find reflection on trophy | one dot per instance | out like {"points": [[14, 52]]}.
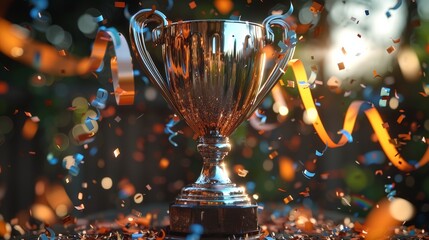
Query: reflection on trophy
{"points": [[217, 73]]}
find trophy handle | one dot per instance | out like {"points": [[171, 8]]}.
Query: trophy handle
{"points": [[287, 46], [138, 24]]}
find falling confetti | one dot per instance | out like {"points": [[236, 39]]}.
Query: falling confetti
{"points": [[168, 129], [116, 152], [308, 174]]}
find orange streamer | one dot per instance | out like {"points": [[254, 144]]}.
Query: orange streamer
{"points": [[349, 122], [17, 45]]}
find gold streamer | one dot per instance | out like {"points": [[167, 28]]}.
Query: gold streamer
{"points": [[16, 44], [349, 122]]}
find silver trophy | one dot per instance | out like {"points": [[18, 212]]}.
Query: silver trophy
{"points": [[217, 73]]}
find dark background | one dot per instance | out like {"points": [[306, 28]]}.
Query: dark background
{"points": [[142, 142]]}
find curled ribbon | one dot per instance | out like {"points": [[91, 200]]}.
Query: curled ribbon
{"points": [[45, 58], [352, 112]]}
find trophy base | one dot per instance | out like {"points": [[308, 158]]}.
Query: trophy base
{"points": [[218, 222]]}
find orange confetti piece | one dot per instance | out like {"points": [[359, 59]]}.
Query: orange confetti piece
{"points": [[29, 129], [288, 199], [273, 155], [120, 4], [341, 66], [192, 5], [379, 172], [400, 119], [390, 49], [396, 40], [344, 51], [375, 74]]}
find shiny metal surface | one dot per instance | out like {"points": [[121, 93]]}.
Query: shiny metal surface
{"points": [[217, 73]]}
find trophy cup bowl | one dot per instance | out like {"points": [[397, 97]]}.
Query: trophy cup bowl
{"points": [[217, 73]]}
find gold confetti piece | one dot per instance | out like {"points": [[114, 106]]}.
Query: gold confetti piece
{"points": [[290, 84], [390, 49], [242, 172], [116, 152], [344, 51], [400, 119], [273, 155], [287, 199], [341, 66], [120, 4], [192, 5]]}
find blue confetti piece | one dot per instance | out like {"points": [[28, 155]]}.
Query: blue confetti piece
{"points": [[397, 5], [169, 5], [318, 104], [78, 157], [136, 235], [51, 159], [36, 60], [391, 195], [374, 157], [382, 103], [347, 134], [136, 72], [367, 12], [145, 80], [93, 151], [389, 187], [384, 91], [88, 124], [172, 133], [261, 116], [74, 170], [99, 18], [170, 139], [308, 174], [51, 232], [319, 154], [196, 229]]}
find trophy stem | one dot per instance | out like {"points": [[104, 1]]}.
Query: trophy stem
{"points": [[213, 148]]}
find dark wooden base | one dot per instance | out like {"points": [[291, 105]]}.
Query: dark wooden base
{"points": [[218, 222]]}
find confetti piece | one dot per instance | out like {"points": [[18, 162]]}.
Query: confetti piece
{"points": [[116, 152], [373, 157], [100, 101], [379, 172], [396, 6], [400, 119], [308, 174], [168, 129], [396, 40], [35, 119], [273, 155], [261, 116], [148, 187], [242, 172], [390, 49], [120, 4], [319, 154], [367, 12], [117, 119], [138, 198], [343, 50], [51, 233], [80, 207], [287, 199], [347, 134], [192, 5], [341, 66]]}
